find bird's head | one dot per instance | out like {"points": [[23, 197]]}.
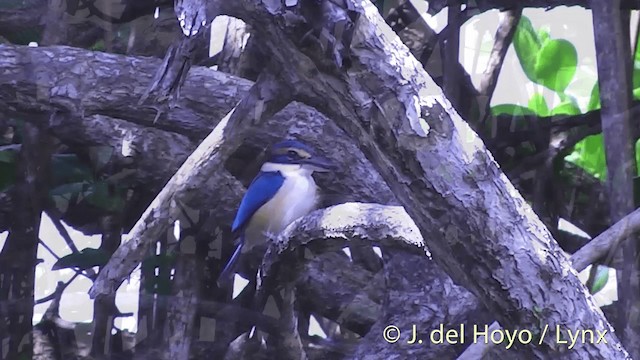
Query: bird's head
{"points": [[294, 152]]}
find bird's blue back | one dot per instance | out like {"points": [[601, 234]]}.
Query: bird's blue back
{"points": [[261, 190]]}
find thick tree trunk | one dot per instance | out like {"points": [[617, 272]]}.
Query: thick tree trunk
{"points": [[614, 77], [18, 256]]}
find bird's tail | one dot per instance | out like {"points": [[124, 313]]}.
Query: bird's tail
{"points": [[228, 270]]}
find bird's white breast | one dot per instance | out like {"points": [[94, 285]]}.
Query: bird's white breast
{"points": [[296, 198]]}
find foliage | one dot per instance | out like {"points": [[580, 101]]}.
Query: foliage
{"points": [[545, 61], [75, 181], [72, 179], [552, 63], [600, 280], [85, 259], [590, 153]]}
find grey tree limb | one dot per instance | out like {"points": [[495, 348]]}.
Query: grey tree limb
{"points": [[504, 35], [603, 244], [18, 256], [387, 226], [100, 106], [394, 231]]}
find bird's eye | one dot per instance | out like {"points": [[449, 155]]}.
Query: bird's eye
{"points": [[292, 153]]}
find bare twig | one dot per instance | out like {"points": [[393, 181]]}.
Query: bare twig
{"points": [[169, 78], [58, 291], [55, 217], [288, 344], [504, 35]]}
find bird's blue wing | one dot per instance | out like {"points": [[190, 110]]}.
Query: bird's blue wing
{"points": [[261, 190]]}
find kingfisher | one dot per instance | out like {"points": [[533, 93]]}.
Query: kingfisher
{"points": [[282, 192]]}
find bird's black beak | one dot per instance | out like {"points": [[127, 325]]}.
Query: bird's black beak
{"points": [[320, 164]]}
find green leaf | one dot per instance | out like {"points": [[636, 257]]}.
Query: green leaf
{"points": [[566, 108], [589, 154], [556, 64], [538, 104], [8, 152], [594, 100], [600, 280], [85, 259], [543, 35], [61, 203], [636, 75], [98, 46], [7, 156], [551, 63], [527, 45]]}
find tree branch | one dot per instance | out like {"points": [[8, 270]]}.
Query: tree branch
{"points": [[390, 227], [604, 243], [504, 35]]}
